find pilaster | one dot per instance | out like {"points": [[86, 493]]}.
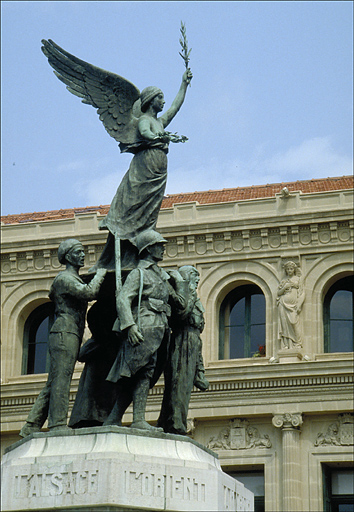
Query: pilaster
{"points": [[290, 424]]}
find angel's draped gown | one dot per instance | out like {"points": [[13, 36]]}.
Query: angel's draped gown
{"points": [[134, 208], [136, 204]]}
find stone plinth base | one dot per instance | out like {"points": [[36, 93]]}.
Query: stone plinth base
{"points": [[112, 468], [289, 355]]}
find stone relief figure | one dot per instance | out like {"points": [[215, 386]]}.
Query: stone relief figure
{"points": [[221, 441], [255, 440], [144, 307], [70, 296], [339, 433], [331, 437], [239, 435], [290, 299], [185, 362], [131, 118]]}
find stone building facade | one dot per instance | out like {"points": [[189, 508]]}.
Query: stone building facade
{"points": [[276, 267]]}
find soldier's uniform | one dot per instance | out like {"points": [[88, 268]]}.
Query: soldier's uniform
{"points": [[70, 296], [156, 297]]}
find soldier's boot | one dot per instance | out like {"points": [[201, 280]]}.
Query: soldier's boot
{"points": [[140, 395], [123, 400], [28, 429]]}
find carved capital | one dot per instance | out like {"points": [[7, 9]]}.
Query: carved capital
{"points": [[288, 420]]}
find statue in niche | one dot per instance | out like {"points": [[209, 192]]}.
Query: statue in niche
{"points": [[185, 362], [70, 296], [144, 307], [290, 299], [131, 118]]}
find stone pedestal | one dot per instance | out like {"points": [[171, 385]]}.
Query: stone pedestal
{"points": [[289, 355], [116, 469]]}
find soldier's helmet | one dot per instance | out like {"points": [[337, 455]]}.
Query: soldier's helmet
{"points": [[147, 238]]}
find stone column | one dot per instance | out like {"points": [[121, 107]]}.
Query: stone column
{"points": [[290, 425]]}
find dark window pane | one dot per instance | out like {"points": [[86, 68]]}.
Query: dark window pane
{"points": [[35, 342], [346, 507], [342, 481], [342, 305], [338, 316], [341, 333], [254, 481], [237, 315], [257, 309], [241, 310], [40, 357], [257, 337], [42, 331], [237, 343]]}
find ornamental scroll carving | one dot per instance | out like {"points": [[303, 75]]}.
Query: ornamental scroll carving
{"points": [[287, 420], [339, 433], [290, 299], [239, 435]]}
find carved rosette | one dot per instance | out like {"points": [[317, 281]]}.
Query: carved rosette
{"points": [[288, 420]]}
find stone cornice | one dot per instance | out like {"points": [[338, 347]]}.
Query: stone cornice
{"points": [[309, 237], [270, 383]]}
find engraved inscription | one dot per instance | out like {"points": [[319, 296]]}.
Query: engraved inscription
{"points": [[160, 485], [55, 484]]}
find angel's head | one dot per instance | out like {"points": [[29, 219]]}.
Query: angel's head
{"points": [[148, 95]]}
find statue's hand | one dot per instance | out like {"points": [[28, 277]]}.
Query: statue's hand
{"points": [[134, 335], [176, 276], [187, 76], [165, 137], [101, 272]]}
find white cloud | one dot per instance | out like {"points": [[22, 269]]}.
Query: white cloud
{"points": [[99, 191], [313, 158]]}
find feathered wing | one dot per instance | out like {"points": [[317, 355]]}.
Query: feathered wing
{"points": [[112, 95]]}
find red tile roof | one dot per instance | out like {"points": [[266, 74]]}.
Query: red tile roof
{"points": [[206, 197]]}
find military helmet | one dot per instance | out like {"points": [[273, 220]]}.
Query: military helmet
{"points": [[147, 238]]}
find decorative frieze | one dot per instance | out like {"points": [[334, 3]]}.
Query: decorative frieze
{"points": [[339, 433], [239, 435], [245, 240]]}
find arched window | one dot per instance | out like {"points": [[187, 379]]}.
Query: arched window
{"points": [[35, 340], [242, 323], [338, 316]]}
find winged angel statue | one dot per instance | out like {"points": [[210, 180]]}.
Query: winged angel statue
{"points": [[131, 118]]}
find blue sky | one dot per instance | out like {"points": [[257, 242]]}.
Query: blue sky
{"points": [[270, 100]]}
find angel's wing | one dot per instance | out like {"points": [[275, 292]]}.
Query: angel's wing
{"points": [[112, 95]]}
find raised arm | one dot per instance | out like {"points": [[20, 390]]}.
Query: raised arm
{"points": [[74, 287], [167, 117]]}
